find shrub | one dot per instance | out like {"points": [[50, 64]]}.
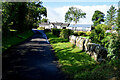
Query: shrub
{"points": [[47, 30], [114, 46], [80, 33], [105, 27], [41, 28], [75, 33], [97, 35], [56, 31], [88, 33], [65, 33]]}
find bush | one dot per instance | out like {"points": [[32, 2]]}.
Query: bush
{"points": [[88, 33], [41, 28], [81, 33], [97, 35], [75, 33], [56, 31], [47, 30], [65, 33], [114, 46], [105, 27]]}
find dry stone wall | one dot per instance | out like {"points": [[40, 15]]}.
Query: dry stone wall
{"points": [[96, 51]]}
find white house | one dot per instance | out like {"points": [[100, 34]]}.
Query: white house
{"points": [[45, 25], [58, 25]]}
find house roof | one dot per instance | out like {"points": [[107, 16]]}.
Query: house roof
{"points": [[44, 24], [65, 24], [56, 23]]}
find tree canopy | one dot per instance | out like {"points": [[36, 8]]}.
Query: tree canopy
{"points": [[98, 17], [111, 16], [21, 16], [74, 14]]}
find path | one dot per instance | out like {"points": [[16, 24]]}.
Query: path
{"points": [[31, 60]]}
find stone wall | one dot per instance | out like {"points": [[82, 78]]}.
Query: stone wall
{"points": [[96, 51]]}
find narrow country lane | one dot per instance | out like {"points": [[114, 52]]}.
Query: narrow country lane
{"points": [[31, 60]]}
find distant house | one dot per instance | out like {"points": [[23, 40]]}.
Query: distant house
{"points": [[58, 25], [65, 25], [45, 25]]}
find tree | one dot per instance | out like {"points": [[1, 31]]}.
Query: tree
{"points": [[35, 13], [111, 16], [114, 44], [98, 34], [13, 15], [74, 14], [44, 20], [21, 16], [98, 17]]}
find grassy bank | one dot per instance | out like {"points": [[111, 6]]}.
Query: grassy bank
{"points": [[80, 66], [15, 39]]}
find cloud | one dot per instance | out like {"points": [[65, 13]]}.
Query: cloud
{"points": [[58, 13]]}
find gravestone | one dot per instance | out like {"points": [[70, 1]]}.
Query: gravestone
{"points": [[72, 39], [80, 44]]}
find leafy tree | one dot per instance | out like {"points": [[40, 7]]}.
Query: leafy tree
{"points": [[35, 13], [21, 16], [98, 34], [111, 16], [98, 17], [74, 14], [44, 20], [114, 44], [13, 15]]}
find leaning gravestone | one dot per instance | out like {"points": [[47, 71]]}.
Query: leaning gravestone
{"points": [[72, 39], [80, 44], [86, 42], [78, 41]]}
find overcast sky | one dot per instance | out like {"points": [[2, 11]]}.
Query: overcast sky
{"points": [[56, 9]]}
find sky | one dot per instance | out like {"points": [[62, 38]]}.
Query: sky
{"points": [[56, 9]]}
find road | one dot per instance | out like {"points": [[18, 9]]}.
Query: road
{"points": [[32, 59]]}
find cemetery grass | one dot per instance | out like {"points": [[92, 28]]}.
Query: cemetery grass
{"points": [[80, 66], [11, 40]]}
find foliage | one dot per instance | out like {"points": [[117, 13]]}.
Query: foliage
{"points": [[74, 14], [56, 31], [65, 33], [47, 30], [97, 35], [44, 20], [98, 17], [41, 28], [81, 33], [105, 27], [16, 15], [111, 16], [54, 38], [13, 15], [17, 19], [9, 41], [114, 44], [75, 33], [88, 33]]}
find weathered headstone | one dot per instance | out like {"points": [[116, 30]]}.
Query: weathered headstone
{"points": [[80, 44], [72, 39]]}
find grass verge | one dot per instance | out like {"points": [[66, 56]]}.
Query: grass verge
{"points": [[13, 40], [80, 66]]}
